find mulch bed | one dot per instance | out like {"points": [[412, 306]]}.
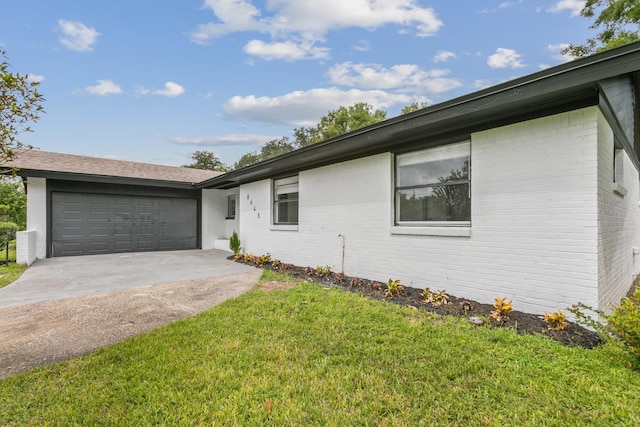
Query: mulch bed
{"points": [[524, 323]]}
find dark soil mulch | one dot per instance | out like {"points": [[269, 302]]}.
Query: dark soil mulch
{"points": [[524, 323]]}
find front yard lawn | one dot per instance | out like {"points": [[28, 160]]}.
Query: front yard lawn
{"points": [[313, 355], [10, 273]]}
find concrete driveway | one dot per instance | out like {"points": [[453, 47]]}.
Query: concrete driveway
{"points": [[67, 307], [68, 277]]}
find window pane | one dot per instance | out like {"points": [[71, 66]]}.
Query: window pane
{"points": [[287, 212], [437, 203], [434, 166], [231, 206]]}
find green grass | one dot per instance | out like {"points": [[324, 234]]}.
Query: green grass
{"points": [[10, 273], [313, 356]]}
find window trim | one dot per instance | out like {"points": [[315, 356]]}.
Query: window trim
{"points": [[430, 227], [618, 170], [293, 180]]}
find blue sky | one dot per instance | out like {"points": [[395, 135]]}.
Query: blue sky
{"points": [[154, 81]]}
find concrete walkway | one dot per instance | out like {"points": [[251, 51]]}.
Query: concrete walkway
{"points": [[68, 277]]}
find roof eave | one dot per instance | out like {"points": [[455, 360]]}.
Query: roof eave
{"points": [[69, 176]]}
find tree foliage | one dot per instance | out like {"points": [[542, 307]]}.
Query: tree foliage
{"points": [[271, 149], [14, 200], [345, 119], [618, 22], [208, 161], [334, 123], [20, 105], [413, 107]]}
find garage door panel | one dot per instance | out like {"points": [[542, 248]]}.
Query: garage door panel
{"points": [[91, 224]]}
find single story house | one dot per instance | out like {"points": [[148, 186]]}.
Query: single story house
{"points": [[527, 190]]}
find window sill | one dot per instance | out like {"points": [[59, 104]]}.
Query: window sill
{"points": [[283, 227], [619, 189], [433, 231], [230, 217]]}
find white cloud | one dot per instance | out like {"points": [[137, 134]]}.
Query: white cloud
{"points": [[36, 78], [77, 36], [305, 108], [362, 46], [223, 140], [557, 49], [443, 56], [170, 90], [507, 4], [311, 19], [505, 58], [574, 6], [286, 50], [404, 77], [104, 87]]}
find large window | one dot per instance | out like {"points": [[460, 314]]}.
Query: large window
{"points": [[432, 186], [285, 201]]}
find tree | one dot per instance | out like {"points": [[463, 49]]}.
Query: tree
{"points": [[269, 150], [334, 123], [20, 105], [346, 119], [618, 21], [208, 161], [13, 197], [413, 107]]}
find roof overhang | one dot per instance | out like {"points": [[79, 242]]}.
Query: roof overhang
{"points": [[562, 88], [66, 176]]}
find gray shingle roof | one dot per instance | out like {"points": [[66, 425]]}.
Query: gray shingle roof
{"points": [[44, 161]]}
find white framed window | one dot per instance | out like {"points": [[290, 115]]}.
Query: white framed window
{"points": [[285, 201], [433, 186], [231, 206]]}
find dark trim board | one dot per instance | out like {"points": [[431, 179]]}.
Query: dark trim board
{"points": [[130, 192]]}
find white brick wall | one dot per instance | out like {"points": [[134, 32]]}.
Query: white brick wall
{"points": [[534, 234], [214, 212], [618, 222], [37, 213], [26, 247]]}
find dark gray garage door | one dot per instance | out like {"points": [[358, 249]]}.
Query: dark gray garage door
{"points": [[100, 223]]}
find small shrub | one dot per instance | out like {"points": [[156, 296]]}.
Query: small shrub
{"points": [[263, 259], [339, 277], [437, 298], [275, 263], [394, 288], [309, 271], [356, 281], [234, 243], [623, 324], [285, 266], [466, 306], [250, 259], [502, 310], [556, 321], [323, 270], [238, 256], [375, 285], [625, 321]]}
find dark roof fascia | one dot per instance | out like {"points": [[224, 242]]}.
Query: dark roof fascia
{"points": [[565, 87], [67, 176]]}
